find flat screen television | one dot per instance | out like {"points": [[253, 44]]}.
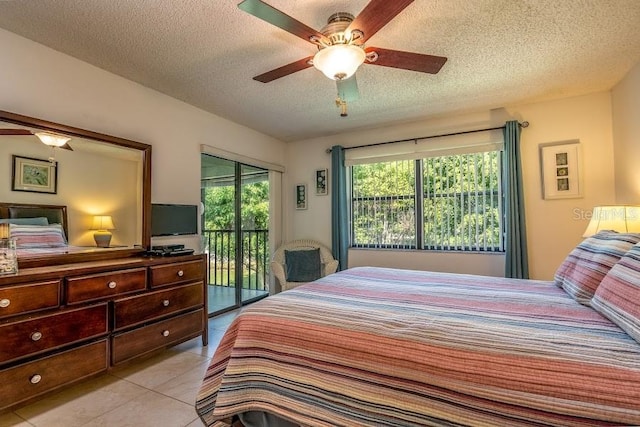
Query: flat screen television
{"points": [[173, 220]]}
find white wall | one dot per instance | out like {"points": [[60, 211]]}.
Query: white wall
{"points": [[626, 136], [554, 227], [39, 82]]}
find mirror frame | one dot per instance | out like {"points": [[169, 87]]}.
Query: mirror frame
{"points": [[145, 149]]}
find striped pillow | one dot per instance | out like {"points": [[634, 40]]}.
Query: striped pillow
{"points": [[585, 267], [618, 296], [38, 236]]}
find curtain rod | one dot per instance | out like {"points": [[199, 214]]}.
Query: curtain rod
{"points": [[523, 124]]}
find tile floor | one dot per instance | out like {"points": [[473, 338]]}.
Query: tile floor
{"points": [[156, 392], [223, 297]]}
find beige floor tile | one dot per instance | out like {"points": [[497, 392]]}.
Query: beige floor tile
{"points": [[215, 336], [223, 321], [196, 423], [80, 404], [9, 419], [184, 387], [195, 345], [160, 369], [148, 410]]}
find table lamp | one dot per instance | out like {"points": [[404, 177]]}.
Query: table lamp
{"points": [[623, 219], [102, 224]]}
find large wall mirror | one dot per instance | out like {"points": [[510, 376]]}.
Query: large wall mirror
{"points": [[92, 175]]}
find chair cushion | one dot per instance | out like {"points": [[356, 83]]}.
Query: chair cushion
{"points": [[618, 296], [585, 267], [303, 265]]}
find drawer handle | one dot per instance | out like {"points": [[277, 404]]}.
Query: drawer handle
{"points": [[112, 284], [36, 336], [165, 303], [35, 379], [180, 273], [5, 302], [165, 333]]}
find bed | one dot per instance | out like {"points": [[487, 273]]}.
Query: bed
{"points": [[386, 347], [54, 214], [39, 229]]}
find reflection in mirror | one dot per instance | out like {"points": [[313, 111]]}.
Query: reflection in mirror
{"points": [[93, 175]]}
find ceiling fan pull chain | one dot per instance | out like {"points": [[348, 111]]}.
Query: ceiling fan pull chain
{"points": [[342, 104]]}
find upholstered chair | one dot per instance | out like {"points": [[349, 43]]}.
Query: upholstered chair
{"points": [[294, 274]]}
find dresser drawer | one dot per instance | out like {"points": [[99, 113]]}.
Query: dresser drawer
{"points": [[32, 379], [29, 297], [104, 285], [128, 345], [142, 308], [169, 274], [38, 334]]}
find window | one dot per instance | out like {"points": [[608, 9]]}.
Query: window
{"points": [[450, 202], [383, 205]]}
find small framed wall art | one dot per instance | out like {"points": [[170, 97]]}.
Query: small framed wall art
{"points": [[34, 175], [301, 196], [322, 182], [561, 170]]}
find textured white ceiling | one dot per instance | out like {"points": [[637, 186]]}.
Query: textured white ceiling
{"points": [[205, 52]]}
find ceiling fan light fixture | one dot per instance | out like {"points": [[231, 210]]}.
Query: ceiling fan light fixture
{"points": [[339, 62], [52, 139]]}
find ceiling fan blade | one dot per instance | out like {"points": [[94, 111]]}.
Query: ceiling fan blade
{"points": [[285, 70], [15, 132], [376, 15], [273, 16], [348, 89], [407, 60]]}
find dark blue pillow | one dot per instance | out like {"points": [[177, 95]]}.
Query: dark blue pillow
{"points": [[303, 265]]}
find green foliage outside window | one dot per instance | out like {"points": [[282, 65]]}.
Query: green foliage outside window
{"points": [[384, 204], [461, 203], [220, 207], [219, 226]]}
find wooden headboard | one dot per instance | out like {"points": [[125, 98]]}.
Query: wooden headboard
{"points": [[54, 214]]}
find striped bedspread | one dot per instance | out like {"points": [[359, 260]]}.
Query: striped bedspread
{"points": [[385, 347]]}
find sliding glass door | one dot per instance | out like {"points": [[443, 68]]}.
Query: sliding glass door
{"points": [[235, 228]]}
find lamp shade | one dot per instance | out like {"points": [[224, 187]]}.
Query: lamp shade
{"points": [[102, 222], [52, 139], [623, 219], [340, 61]]}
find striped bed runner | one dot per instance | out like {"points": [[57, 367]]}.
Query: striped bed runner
{"points": [[386, 347]]}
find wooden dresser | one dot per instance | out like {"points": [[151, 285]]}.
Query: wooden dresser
{"points": [[61, 324]]}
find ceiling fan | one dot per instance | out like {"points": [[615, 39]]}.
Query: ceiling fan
{"points": [[341, 45], [48, 138]]}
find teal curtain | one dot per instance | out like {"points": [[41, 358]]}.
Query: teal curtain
{"points": [[516, 263], [339, 216]]}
